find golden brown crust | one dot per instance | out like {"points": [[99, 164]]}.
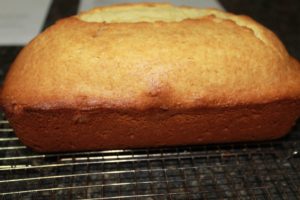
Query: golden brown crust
{"points": [[205, 77], [215, 60]]}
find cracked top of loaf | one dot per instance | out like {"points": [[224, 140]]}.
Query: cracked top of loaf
{"points": [[144, 56]]}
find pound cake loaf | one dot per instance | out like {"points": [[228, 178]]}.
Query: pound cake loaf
{"points": [[149, 75]]}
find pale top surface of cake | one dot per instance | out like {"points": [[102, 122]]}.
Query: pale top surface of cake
{"points": [[152, 56], [140, 13]]}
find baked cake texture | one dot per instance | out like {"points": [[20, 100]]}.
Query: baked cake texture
{"points": [[148, 75]]}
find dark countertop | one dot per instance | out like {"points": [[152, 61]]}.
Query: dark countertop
{"points": [[282, 17]]}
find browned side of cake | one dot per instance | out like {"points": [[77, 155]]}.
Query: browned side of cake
{"points": [[78, 130]]}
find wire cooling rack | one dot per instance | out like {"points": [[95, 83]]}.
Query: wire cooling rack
{"points": [[266, 170]]}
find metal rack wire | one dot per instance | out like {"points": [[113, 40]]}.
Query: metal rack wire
{"points": [[266, 170]]}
